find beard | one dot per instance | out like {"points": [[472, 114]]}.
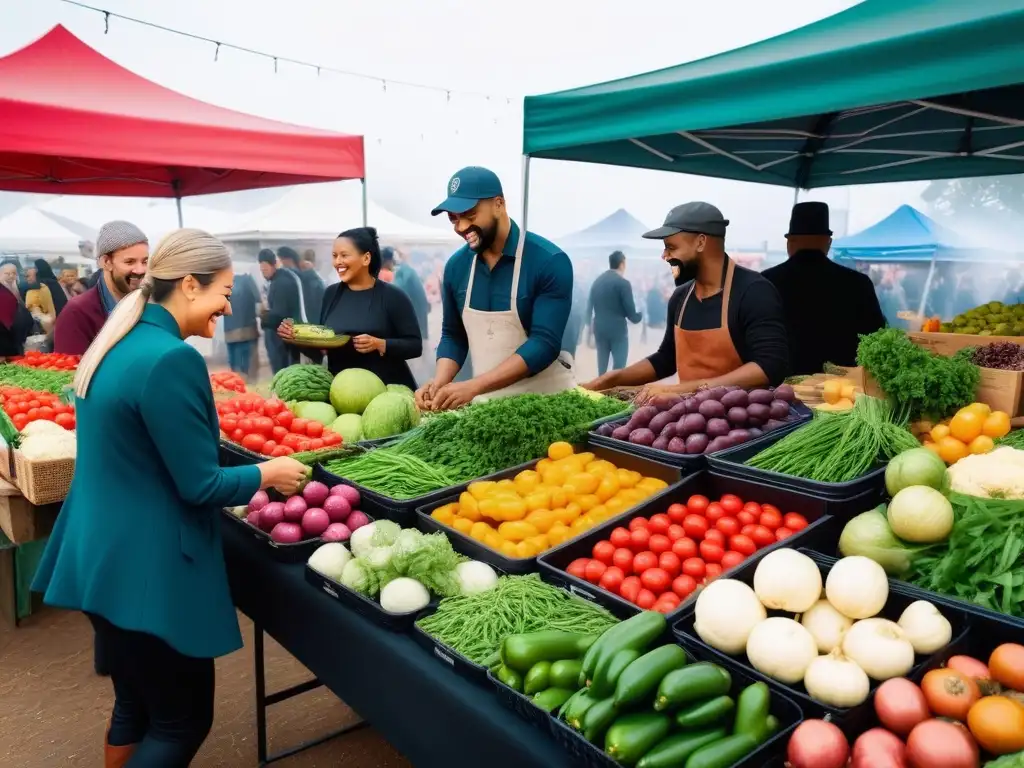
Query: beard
{"points": [[126, 283], [683, 272], [485, 237]]}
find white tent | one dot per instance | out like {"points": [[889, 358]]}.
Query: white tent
{"points": [[320, 211], [29, 232]]}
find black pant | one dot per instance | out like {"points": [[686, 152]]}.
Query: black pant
{"points": [[163, 700]]}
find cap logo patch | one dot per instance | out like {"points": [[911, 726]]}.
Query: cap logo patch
{"points": [[454, 186]]}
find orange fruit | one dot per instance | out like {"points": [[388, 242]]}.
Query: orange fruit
{"points": [[996, 424], [965, 426], [934, 448], [939, 431], [952, 450], [981, 444], [559, 450], [982, 409]]}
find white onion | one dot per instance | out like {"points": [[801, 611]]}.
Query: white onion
{"points": [[725, 612], [787, 580], [920, 514], [857, 587], [826, 625], [837, 681], [880, 648], [925, 628], [782, 649]]}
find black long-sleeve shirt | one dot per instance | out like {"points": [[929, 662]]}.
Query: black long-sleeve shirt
{"points": [[383, 311], [283, 300], [611, 305], [827, 306], [756, 325]]}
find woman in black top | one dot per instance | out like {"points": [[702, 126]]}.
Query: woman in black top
{"points": [[378, 316]]}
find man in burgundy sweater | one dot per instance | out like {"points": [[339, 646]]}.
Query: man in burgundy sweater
{"points": [[124, 254]]}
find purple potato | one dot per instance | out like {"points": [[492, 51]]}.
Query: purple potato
{"points": [[762, 396], [696, 443], [660, 443], [693, 423], [670, 431], [677, 410], [642, 436], [773, 424], [779, 409], [735, 399], [717, 393], [733, 388], [643, 416], [738, 436], [691, 404], [704, 394], [737, 416], [785, 392], [712, 409], [677, 445], [752, 422], [718, 428], [605, 430], [660, 421], [754, 432], [621, 433], [666, 402], [759, 411], [718, 444]]}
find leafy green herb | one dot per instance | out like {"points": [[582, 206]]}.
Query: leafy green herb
{"points": [[1013, 440], [35, 378]]}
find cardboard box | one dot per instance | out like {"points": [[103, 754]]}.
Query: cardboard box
{"points": [[951, 343], [22, 521]]}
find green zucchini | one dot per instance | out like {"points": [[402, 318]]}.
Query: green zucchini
{"points": [[632, 736], [692, 683], [639, 680], [673, 751], [706, 713]]}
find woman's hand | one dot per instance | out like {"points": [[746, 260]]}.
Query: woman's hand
{"points": [[283, 474], [365, 344], [425, 395], [286, 330], [651, 391]]}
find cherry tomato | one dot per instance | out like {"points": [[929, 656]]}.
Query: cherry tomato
{"points": [[747, 518], [273, 407], [715, 536], [663, 606], [292, 440], [284, 418], [748, 530], [246, 425], [730, 526], [670, 598], [676, 512], [619, 537], [684, 585], [675, 532], [603, 551], [743, 544], [268, 448], [714, 511], [694, 567], [655, 580], [279, 433], [630, 588], [299, 426], [281, 450], [731, 560], [332, 438], [783, 533], [228, 425], [46, 413], [731, 503], [20, 421], [711, 551], [639, 539], [578, 567], [594, 571], [33, 413], [684, 548], [659, 543], [762, 536], [643, 561], [753, 508], [67, 421], [770, 520], [713, 572], [794, 521], [637, 522], [314, 429], [622, 558], [645, 599], [770, 508], [659, 523], [695, 527], [253, 442], [612, 579], [238, 435], [670, 563], [697, 504]]}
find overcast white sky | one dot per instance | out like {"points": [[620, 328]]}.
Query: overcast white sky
{"points": [[415, 139]]}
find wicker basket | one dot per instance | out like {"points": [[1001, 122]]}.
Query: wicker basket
{"points": [[6, 462], [43, 482]]}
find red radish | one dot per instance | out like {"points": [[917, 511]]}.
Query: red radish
{"points": [[337, 508], [314, 493], [259, 500], [878, 748], [817, 744], [287, 533], [940, 744], [315, 521], [253, 518], [900, 705], [294, 509], [357, 520], [350, 494], [271, 515], [336, 532]]}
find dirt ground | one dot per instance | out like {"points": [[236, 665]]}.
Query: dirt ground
{"points": [[54, 708]]}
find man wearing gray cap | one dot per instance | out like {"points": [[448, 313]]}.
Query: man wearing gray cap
{"points": [[124, 255], [726, 324]]}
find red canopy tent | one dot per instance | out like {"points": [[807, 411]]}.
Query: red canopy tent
{"points": [[74, 122]]}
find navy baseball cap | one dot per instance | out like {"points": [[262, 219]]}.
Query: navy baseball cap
{"points": [[468, 187]]}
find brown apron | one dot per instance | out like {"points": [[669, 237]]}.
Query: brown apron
{"points": [[703, 355]]}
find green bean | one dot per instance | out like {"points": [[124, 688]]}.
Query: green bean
{"points": [[35, 378], [396, 475]]}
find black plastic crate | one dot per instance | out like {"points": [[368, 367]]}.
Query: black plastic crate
{"points": [[396, 622], [519, 703], [554, 562], [799, 415], [298, 552], [899, 599], [789, 714], [479, 551], [462, 666], [233, 455]]}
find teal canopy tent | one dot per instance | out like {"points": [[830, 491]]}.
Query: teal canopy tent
{"points": [[616, 230], [885, 91]]}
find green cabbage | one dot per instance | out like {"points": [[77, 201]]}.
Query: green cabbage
{"points": [[401, 389], [389, 414], [917, 466], [321, 412], [349, 426], [869, 534], [354, 388]]}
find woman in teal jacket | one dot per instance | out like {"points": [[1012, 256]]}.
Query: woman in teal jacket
{"points": [[137, 545]]}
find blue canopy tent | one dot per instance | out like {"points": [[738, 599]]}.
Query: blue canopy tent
{"points": [[616, 231]]}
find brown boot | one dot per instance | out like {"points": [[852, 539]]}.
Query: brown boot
{"points": [[116, 757]]}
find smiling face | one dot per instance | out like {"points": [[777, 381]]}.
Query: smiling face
{"points": [[207, 303], [479, 225], [127, 266], [350, 264], [9, 274]]}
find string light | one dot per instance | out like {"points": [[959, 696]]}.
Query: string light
{"points": [[275, 59]]}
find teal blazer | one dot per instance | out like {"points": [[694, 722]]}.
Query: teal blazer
{"points": [[138, 539]]}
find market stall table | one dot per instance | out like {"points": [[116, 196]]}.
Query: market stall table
{"points": [[431, 715]]}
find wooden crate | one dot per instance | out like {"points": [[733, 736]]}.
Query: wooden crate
{"points": [[951, 343], [22, 521]]}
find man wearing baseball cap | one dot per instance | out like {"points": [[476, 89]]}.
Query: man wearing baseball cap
{"points": [[123, 256], [505, 297], [725, 323]]}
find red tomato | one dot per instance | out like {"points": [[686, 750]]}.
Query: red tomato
{"points": [[284, 418], [645, 599], [34, 403], [279, 433], [246, 425], [603, 551], [622, 558], [314, 429], [729, 526], [630, 588], [695, 567], [253, 442], [794, 521], [770, 508], [33, 413], [594, 571], [711, 551], [675, 532], [332, 438], [762, 536], [228, 425], [697, 504], [655, 580], [770, 520], [20, 421], [578, 567], [659, 543], [753, 508], [305, 445], [637, 522], [639, 539], [670, 563], [663, 606], [670, 598], [695, 527], [612, 579], [716, 536], [659, 523], [67, 421], [713, 572], [292, 440], [238, 435], [748, 530], [783, 533], [731, 560], [316, 444], [743, 544], [268, 448], [684, 585], [684, 548], [643, 561], [676, 513], [281, 450], [714, 511], [273, 407], [46, 413], [299, 426], [747, 518], [619, 537], [731, 503], [245, 405]]}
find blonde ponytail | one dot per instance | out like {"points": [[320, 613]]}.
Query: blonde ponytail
{"points": [[182, 252]]}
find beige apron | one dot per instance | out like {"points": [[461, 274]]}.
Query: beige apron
{"points": [[495, 336]]}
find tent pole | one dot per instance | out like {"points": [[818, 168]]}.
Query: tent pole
{"points": [[362, 181], [927, 287], [796, 195], [526, 189], [181, 219]]}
